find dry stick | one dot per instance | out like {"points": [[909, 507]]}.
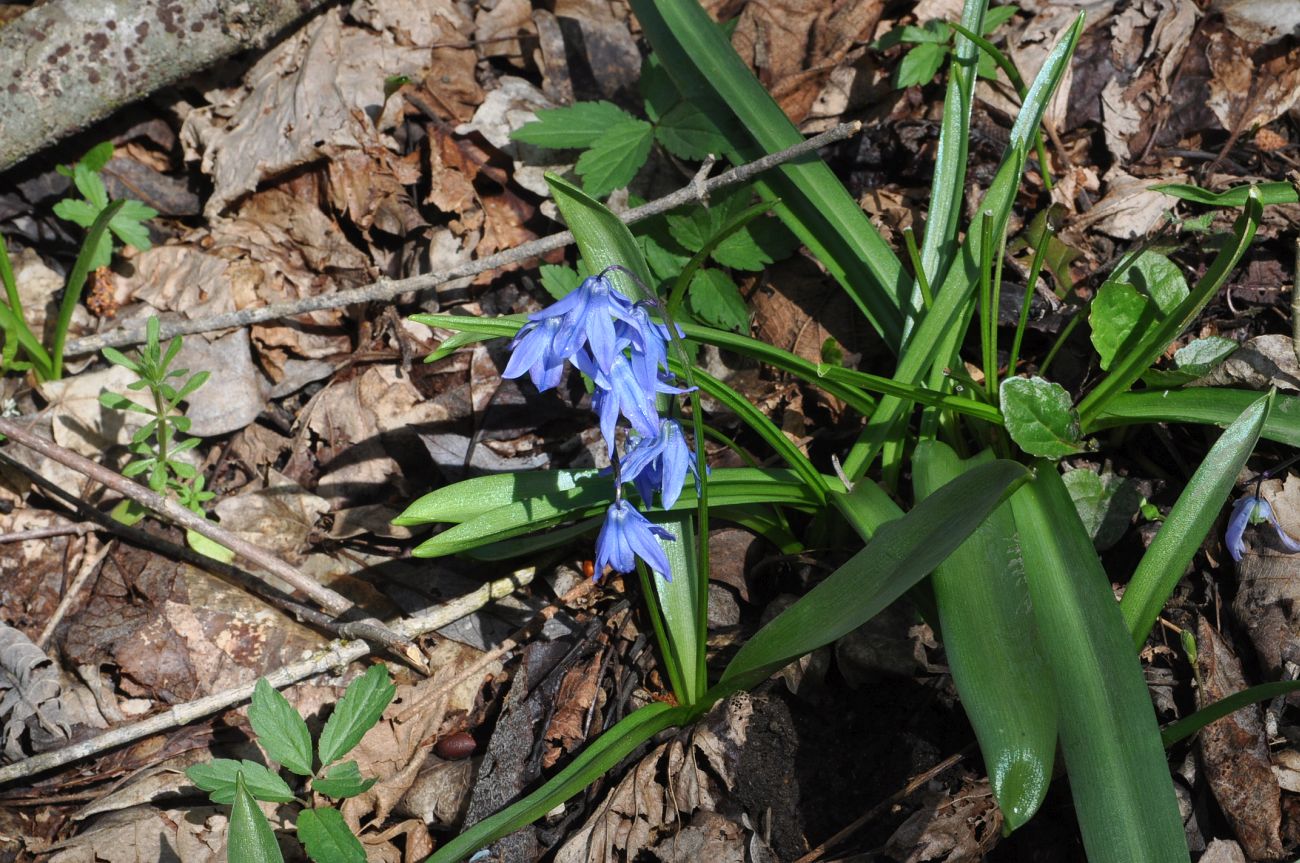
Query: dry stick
{"points": [[387, 289], [45, 532], [339, 653], [328, 599]]}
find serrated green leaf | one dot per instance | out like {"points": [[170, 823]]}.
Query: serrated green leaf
{"points": [[327, 838], [279, 728], [572, 127], [357, 711], [715, 299], [559, 280], [98, 156], [688, 134], [250, 839], [658, 91], [1039, 417], [76, 211], [91, 186], [217, 777], [756, 245], [920, 65], [615, 157], [342, 780], [996, 16]]}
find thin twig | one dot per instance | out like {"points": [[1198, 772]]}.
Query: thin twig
{"points": [[337, 655], [387, 289], [331, 601], [45, 532]]}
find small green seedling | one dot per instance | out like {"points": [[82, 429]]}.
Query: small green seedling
{"points": [[158, 443], [932, 43], [284, 737]]}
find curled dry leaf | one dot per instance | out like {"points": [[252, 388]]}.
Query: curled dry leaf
{"points": [[30, 707]]}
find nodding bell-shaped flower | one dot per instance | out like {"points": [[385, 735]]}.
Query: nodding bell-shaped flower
{"points": [[1253, 510], [534, 351], [660, 462], [627, 535]]}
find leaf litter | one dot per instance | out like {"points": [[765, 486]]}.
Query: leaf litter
{"points": [[317, 428]]}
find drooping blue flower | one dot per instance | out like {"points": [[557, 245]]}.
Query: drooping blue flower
{"points": [[534, 351], [620, 391], [1251, 509], [648, 340], [627, 535], [660, 461], [589, 312]]}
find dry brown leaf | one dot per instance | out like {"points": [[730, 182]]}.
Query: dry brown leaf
{"points": [[81, 423], [949, 826], [147, 834], [185, 279], [513, 104], [1259, 20], [579, 689], [613, 61], [234, 393], [38, 287], [1244, 95], [499, 23], [1234, 752], [1129, 209], [370, 185], [1263, 362], [278, 518]]}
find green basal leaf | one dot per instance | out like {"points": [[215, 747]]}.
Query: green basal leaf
{"points": [[1188, 523], [1123, 794], [356, 713], [1039, 418], [572, 128], [1269, 193], [250, 839], [342, 780], [1211, 406], [280, 729], [900, 553], [1192, 361], [991, 641], [683, 649], [714, 298], [615, 157], [920, 65], [327, 838], [600, 756], [469, 498], [1119, 317], [218, 776], [1106, 502]]}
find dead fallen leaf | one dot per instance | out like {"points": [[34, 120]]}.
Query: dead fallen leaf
{"points": [[278, 517], [960, 825], [233, 395], [1262, 21], [1244, 95], [1234, 752]]}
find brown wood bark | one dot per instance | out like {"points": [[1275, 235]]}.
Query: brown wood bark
{"points": [[67, 63]]}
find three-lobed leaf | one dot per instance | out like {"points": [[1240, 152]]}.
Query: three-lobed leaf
{"points": [[280, 729], [218, 778], [356, 713], [573, 127], [615, 157], [327, 838]]}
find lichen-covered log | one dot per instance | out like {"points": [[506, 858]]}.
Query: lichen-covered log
{"points": [[67, 63]]}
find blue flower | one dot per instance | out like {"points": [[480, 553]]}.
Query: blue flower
{"points": [[660, 461], [648, 339], [589, 312], [535, 351], [1253, 509], [627, 535], [620, 391]]}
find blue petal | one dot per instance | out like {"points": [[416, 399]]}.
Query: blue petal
{"points": [[1241, 513]]}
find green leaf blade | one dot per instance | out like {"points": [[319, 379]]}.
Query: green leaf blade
{"points": [[326, 837], [574, 127], [280, 729], [342, 780], [615, 157], [1039, 417], [251, 839], [356, 713], [218, 778]]}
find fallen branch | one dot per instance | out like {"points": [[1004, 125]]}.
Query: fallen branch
{"points": [[69, 63], [386, 289], [337, 655], [335, 603]]}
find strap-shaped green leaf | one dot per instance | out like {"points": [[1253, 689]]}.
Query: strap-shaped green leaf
{"points": [[1123, 794], [1208, 405], [991, 641], [1189, 522], [901, 553]]}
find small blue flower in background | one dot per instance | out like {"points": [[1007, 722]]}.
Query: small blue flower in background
{"points": [[627, 535], [1251, 509], [660, 462]]}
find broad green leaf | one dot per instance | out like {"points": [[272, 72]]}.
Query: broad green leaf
{"points": [[1128, 367], [1157, 278], [683, 649], [90, 185], [600, 756], [575, 127], [98, 156], [342, 780], [76, 211], [900, 553], [1119, 316], [280, 729], [814, 204], [602, 238], [715, 299], [250, 838], [755, 246], [615, 157], [920, 65], [1105, 502], [1192, 361], [1123, 794], [1269, 193], [356, 713], [1039, 418], [217, 777], [469, 498], [991, 641], [327, 838], [1188, 523]]}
